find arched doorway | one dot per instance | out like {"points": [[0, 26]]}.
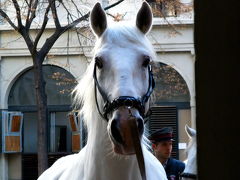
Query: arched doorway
{"points": [[171, 106], [59, 84]]}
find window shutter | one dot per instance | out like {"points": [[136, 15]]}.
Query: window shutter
{"points": [[15, 124], [165, 116], [76, 142], [73, 120], [75, 127], [12, 131]]}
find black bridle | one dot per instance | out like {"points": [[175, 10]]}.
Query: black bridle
{"points": [[129, 101], [188, 175]]}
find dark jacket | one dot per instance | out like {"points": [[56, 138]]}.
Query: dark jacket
{"points": [[173, 168]]}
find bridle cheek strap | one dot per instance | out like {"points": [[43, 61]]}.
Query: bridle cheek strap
{"points": [[128, 101]]}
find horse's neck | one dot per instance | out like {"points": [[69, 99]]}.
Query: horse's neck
{"points": [[191, 167], [191, 163], [103, 162]]}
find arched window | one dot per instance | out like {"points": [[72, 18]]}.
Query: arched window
{"points": [[59, 84], [170, 86]]}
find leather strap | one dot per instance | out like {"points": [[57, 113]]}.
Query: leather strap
{"points": [[137, 145]]}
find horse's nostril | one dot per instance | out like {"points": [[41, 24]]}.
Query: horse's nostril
{"points": [[115, 132], [140, 125]]}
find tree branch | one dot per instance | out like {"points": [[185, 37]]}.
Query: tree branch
{"points": [[33, 14], [49, 43], [74, 23], [27, 2], [18, 13], [54, 13], [68, 10], [28, 41], [29, 11], [112, 5], [5, 16], [169, 24], [59, 31], [21, 30], [42, 28], [76, 7]]}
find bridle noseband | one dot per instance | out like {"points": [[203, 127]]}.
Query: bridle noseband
{"points": [[188, 175], [129, 101]]}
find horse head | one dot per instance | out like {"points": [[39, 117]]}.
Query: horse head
{"points": [[122, 74]]}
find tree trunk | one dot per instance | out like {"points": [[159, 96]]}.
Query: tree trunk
{"points": [[41, 99]]}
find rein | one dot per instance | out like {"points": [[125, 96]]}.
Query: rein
{"points": [[137, 145], [188, 175]]}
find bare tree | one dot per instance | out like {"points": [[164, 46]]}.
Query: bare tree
{"points": [[25, 13]]}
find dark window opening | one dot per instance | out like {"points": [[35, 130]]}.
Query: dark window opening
{"points": [[61, 138]]}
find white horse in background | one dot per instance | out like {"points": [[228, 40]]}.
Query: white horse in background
{"points": [[120, 74], [190, 171]]}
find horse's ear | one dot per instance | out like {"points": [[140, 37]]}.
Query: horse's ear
{"points": [[98, 19], [190, 131], [144, 18]]}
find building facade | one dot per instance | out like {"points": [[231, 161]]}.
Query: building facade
{"points": [[172, 39]]}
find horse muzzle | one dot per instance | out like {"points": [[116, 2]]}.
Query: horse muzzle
{"points": [[121, 132]]}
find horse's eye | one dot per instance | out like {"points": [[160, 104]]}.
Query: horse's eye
{"points": [[146, 61], [98, 62]]}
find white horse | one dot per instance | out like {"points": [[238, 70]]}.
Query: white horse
{"points": [[117, 78], [190, 171]]}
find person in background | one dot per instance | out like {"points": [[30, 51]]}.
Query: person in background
{"points": [[162, 147]]}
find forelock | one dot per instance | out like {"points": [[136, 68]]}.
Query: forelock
{"points": [[124, 35]]}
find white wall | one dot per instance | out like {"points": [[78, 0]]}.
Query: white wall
{"points": [[3, 167]]}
